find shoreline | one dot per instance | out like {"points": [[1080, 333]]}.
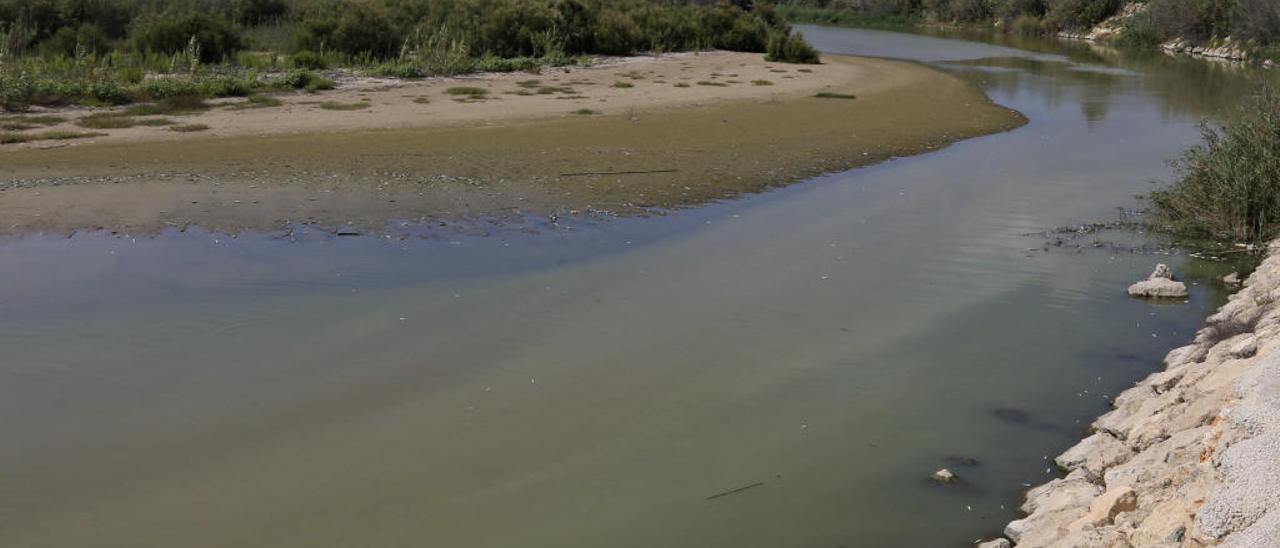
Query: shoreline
{"points": [[648, 144], [1186, 457]]}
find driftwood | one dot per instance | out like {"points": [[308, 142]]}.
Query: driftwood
{"points": [[735, 490]]}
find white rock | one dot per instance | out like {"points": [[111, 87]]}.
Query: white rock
{"points": [[1095, 454], [1104, 509], [944, 476], [1160, 284], [997, 543]]}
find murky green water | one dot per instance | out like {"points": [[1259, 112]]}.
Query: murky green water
{"points": [[830, 345]]}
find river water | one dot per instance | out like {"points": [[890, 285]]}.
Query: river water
{"points": [[826, 346]]}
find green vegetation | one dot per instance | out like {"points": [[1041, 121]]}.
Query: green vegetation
{"points": [[586, 112], [189, 128], [1255, 23], [111, 52], [623, 85], [761, 83], [1229, 187], [14, 138], [468, 91], [710, 83], [831, 95], [330, 105]]}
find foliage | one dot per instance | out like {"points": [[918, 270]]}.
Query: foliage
{"points": [[1229, 187], [790, 47], [204, 37], [1081, 14]]}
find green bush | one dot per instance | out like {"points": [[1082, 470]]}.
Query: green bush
{"points": [[1081, 14], [1143, 30], [789, 47], [1196, 20], [211, 38], [259, 12], [1229, 187], [309, 60], [1258, 22]]}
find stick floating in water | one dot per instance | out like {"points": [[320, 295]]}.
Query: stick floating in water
{"points": [[735, 491]]}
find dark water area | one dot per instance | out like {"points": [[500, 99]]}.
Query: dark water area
{"points": [[812, 354]]}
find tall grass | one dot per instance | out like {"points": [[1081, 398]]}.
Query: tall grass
{"points": [[1229, 186]]}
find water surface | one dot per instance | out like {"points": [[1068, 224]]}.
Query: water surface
{"points": [[828, 345]]}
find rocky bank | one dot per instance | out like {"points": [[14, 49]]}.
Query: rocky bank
{"points": [[1190, 456]]}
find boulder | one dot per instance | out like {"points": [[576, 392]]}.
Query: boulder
{"points": [[1106, 507], [1159, 285], [1095, 454], [944, 476], [1232, 279]]}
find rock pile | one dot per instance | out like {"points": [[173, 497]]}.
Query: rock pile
{"points": [[1188, 457], [1159, 285]]}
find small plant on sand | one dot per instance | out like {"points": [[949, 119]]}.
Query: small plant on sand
{"points": [[586, 112], [422, 100], [623, 85], [712, 84], [172, 106], [467, 91], [189, 128], [14, 138], [258, 101], [761, 83], [107, 120], [831, 95], [1229, 187], [343, 106], [15, 126], [65, 135]]}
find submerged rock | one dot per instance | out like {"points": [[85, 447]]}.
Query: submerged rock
{"points": [[1232, 280], [944, 476], [1159, 285]]}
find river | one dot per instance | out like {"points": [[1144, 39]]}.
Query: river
{"points": [[784, 369]]}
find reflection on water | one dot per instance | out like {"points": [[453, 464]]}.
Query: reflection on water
{"points": [[828, 345]]}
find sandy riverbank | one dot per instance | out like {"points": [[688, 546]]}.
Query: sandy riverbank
{"points": [[1188, 457], [661, 133]]}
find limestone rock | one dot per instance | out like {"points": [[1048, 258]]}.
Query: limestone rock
{"points": [[944, 476], [1095, 454], [997, 543], [1232, 279], [1104, 509], [1159, 285]]}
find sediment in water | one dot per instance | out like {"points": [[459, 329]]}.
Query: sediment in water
{"points": [[1190, 456]]}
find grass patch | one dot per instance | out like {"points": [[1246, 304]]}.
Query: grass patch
{"points": [[713, 84], [258, 101], [681, 85], [586, 112], [14, 138], [551, 90], [43, 120], [467, 91], [172, 106], [623, 85], [422, 100], [59, 135], [830, 95], [189, 128], [529, 84], [107, 120], [330, 105], [56, 135], [14, 126], [761, 83]]}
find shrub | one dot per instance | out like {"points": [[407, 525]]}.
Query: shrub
{"points": [[211, 38], [1142, 30], [303, 79], [258, 12], [1027, 25], [309, 60], [1229, 187], [1258, 21], [1193, 19], [788, 47], [1081, 14]]}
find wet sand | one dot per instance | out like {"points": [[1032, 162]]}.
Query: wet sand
{"points": [[649, 146]]}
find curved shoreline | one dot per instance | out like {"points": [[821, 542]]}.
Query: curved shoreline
{"points": [[655, 146], [1187, 456]]}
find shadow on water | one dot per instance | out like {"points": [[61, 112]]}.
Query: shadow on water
{"points": [[785, 369]]}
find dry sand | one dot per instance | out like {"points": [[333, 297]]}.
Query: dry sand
{"points": [[416, 151]]}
